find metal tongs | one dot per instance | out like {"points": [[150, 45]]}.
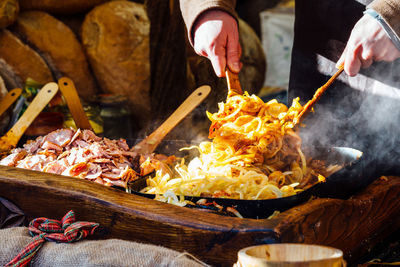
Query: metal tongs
{"points": [[11, 138]]}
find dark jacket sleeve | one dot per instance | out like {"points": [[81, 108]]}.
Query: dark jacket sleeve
{"points": [[191, 10], [390, 12]]}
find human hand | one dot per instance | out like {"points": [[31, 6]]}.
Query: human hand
{"points": [[368, 42], [216, 36]]}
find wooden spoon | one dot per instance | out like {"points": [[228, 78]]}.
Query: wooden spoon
{"points": [[150, 143], [9, 99], [70, 94], [234, 87], [317, 95], [11, 138]]}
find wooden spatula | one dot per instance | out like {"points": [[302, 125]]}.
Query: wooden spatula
{"points": [[234, 87], [9, 99], [11, 138], [317, 95], [150, 143], [70, 94]]}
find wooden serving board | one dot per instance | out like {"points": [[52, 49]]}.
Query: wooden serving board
{"points": [[354, 225]]}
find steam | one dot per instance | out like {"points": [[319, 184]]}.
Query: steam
{"points": [[365, 116], [358, 112]]}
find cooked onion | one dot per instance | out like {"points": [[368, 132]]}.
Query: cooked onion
{"points": [[254, 154]]}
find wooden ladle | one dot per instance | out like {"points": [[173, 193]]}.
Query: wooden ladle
{"points": [[9, 99], [150, 143], [11, 138], [70, 94], [317, 95]]}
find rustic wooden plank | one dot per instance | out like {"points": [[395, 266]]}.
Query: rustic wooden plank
{"points": [[353, 225], [211, 237]]}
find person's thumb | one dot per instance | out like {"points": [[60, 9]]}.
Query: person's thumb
{"points": [[233, 52], [218, 63]]}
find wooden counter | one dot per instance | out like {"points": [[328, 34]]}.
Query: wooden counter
{"points": [[354, 225]]}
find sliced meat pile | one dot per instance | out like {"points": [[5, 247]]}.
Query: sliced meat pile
{"points": [[80, 154]]}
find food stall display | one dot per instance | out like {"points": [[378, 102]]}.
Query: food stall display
{"points": [[252, 182]]}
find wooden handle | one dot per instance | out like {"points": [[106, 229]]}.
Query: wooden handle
{"points": [[233, 81], [70, 94], [317, 95], [149, 144], [9, 99], [38, 104]]}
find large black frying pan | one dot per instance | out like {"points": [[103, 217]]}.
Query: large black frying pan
{"points": [[349, 179], [359, 174]]}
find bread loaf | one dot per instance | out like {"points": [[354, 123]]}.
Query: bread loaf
{"points": [[9, 75], [116, 38], [252, 74], [8, 12], [25, 62], [59, 6], [60, 48], [3, 89]]}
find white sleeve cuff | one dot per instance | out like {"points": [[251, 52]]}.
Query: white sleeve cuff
{"points": [[389, 31]]}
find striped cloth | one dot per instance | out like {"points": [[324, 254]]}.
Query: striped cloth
{"points": [[43, 229]]}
